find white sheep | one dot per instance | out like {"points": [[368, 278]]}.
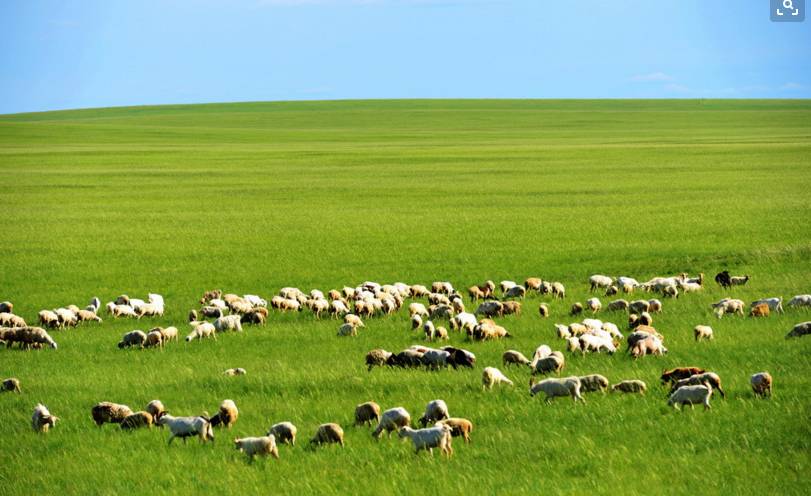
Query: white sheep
{"points": [[691, 395], [552, 388], [438, 436], [761, 384], [590, 342], [392, 420], [775, 304], [702, 332], [262, 446], [599, 281], [42, 420], [285, 432], [184, 427], [435, 411], [235, 372], [202, 330], [228, 323], [594, 305], [491, 376], [418, 309], [435, 359], [803, 300], [514, 357]]}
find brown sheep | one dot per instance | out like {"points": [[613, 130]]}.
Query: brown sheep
{"points": [[759, 310], [137, 420], [377, 357], [511, 307], [227, 415], [211, 295], [677, 374], [543, 310], [459, 427], [366, 413], [762, 384], [111, 413], [328, 434], [156, 409]]}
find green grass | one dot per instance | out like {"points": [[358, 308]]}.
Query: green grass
{"points": [[252, 197]]}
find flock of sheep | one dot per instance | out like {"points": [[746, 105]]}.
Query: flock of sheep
{"points": [[229, 312]]}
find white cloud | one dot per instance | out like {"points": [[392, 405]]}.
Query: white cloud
{"points": [[677, 88], [792, 86], [652, 77]]}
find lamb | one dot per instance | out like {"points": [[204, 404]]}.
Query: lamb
{"points": [[227, 414], [803, 300], [492, 376], [618, 306], [710, 378], [513, 357], [42, 420], [184, 427], [761, 384], [593, 382], [367, 412], [654, 306], [156, 409], [438, 436], [553, 388], [235, 372], [577, 309], [137, 420], [154, 338], [738, 280], [347, 330], [285, 432], [392, 419], [799, 330], [133, 338], [228, 323], [11, 384], [702, 332], [262, 446], [553, 363], [328, 434], [677, 374], [459, 427], [111, 413], [599, 281], [435, 411], [630, 386], [760, 310], [515, 292], [543, 310], [202, 330], [690, 395], [377, 357]]}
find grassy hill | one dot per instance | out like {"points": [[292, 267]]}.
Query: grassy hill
{"points": [[251, 197]]}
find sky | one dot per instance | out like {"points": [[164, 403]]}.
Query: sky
{"points": [[89, 53]]}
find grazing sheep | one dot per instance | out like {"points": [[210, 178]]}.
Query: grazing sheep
{"points": [[760, 310], [133, 338], [654, 306], [367, 412], [679, 373], [553, 388], [285, 432], [799, 330], [168, 333], [492, 376], [639, 306], [209, 312], [201, 330], [475, 293], [464, 321], [193, 315], [630, 386], [156, 409], [511, 308], [435, 359], [429, 330], [47, 318], [417, 309], [513, 357], [515, 292], [438, 436], [459, 357], [553, 363], [353, 319], [762, 384], [649, 345], [738, 280], [593, 382], [597, 344], [506, 286], [228, 323], [377, 357], [563, 331], [670, 291], [211, 295], [257, 316], [490, 309], [347, 330], [154, 338], [599, 281], [28, 337], [710, 378], [775, 304], [328, 434], [435, 411], [406, 358], [702, 332], [459, 427], [573, 344], [618, 306], [227, 414], [6, 307], [11, 384], [137, 420], [235, 372], [533, 283], [110, 413], [121, 310], [11, 320], [262, 446], [690, 395], [542, 351], [729, 305], [543, 310], [42, 420], [577, 309], [391, 420], [184, 427], [611, 290], [558, 291], [803, 300]]}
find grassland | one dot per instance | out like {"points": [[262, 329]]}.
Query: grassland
{"points": [[252, 197]]}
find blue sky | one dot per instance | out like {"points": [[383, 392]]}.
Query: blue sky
{"points": [[61, 54]]}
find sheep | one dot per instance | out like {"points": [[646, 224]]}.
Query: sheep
{"points": [[630, 386], [654, 306], [441, 311], [710, 378], [702, 332], [429, 330], [137, 420], [803, 300], [775, 303], [211, 295], [690, 395], [406, 358], [133, 338], [553, 388], [435, 359], [435, 411], [148, 310], [612, 329], [377, 357], [642, 333], [533, 283], [650, 345], [490, 309], [365, 413], [729, 305], [513, 357], [438, 299], [760, 310], [577, 329], [42, 420], [460, 357], [593, 324], [11, 320], [611, 290], [487, 329], [799, 330], [761, 384], [675, 375], [168, 333], [491, 376], [639, 306], [257, 316], [590, 342], [438, 436], [738, 280], [262, 446], [110, 413], [593, 382], [154, 338], [599, 281], [227, 414], [563, 331], [542, 351], [463, 321], [285, 432], [48, 318], [353, 319], [558, 291], [553, 363], [11, 384], [33, 337], [515, 292], [202, 330], [6, 307], [690, 287], [156, 409], [475, 293], [87, 315], [209, 312], [235, 372], [347, 330], [442, 287], [573, 344], [506, 286], [121, 310], [417, 309], [543, 310], [228, 323], [391, 420], [328, 434], [618, 306], [576, 309], [511, 308], [459, 427], [184, 427]]}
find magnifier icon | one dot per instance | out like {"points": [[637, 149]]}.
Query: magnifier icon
{"points": [[788, 4]]}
